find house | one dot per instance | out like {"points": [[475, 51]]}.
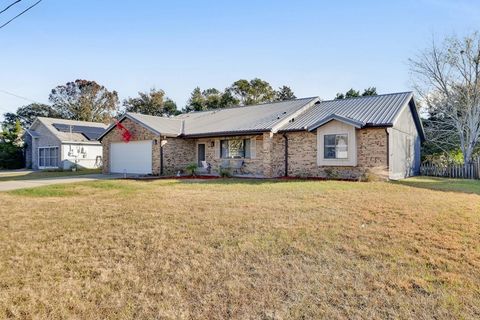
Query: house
{"points": [[52, 143], [307, 137]]}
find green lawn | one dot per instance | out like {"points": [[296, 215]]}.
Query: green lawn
{"points": [[442, 184], [27, 175], [241, 249]]}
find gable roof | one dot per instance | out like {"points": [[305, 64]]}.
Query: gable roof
{"points": [[257, 118], [52, 125], [292, 115], [229, 121], [379, 110]]}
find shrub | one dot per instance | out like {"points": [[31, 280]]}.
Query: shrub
{"points": [[225, 173], [11, 156], [192, 168]]}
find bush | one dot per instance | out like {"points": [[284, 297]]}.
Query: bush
{"points": [[192, 168], [225, 173], [11, 156]]}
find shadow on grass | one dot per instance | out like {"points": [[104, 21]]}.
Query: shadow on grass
{"points": [[442, 184], [47, 191], [45, 174]]}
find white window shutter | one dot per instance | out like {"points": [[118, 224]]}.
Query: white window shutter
{"points": [[253, 148], [217, 149]]}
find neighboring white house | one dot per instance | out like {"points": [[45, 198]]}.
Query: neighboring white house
{"points": [[58, 143]]}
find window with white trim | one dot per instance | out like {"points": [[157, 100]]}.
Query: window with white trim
{"points": [[48, 157], [235, 149], [335, 146]]}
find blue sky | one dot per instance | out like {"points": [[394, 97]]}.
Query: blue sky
{"points": [[315, 47]]}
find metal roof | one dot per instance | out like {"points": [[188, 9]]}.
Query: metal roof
{"points": [[256, 118], [62, 135], [162, 125], [380, 110], [283, 116]]}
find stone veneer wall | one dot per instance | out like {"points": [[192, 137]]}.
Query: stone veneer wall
{"points": [[269, 159], [138, 133], [251, 166], [302, 155], [178, 153]]}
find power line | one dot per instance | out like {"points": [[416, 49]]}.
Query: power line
{"points": [[8, 7], [18, 96], [18, 15]]}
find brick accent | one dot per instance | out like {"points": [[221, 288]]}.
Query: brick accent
{"points": [[269, 160], [178, 154], [138, 133], [251, 166], [371, 155]]}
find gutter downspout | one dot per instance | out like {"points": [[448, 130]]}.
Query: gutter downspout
{"points": [[286, 154], [388, 151]]}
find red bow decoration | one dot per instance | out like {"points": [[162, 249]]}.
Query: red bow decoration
{"points": [[126, 135]]}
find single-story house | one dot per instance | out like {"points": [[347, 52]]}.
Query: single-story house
{"points": [[307, 137], [52, 143]]}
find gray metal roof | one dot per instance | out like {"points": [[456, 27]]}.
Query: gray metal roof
{"points": [[162, 125], [291, 115], [66, 136], [378, 110], [257, 118]]}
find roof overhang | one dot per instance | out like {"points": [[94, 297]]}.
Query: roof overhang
{"points": [[225, 134], [140, 122], [321, 122]]}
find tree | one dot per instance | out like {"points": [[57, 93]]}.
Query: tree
{"points": [[209, 99], [11, 155], [27, 114], [284, 93], [251, 92], [153, 103], [370, 91], [447, 79], [84, 100], [352, 93]]}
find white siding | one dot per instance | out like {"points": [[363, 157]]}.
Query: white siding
{"points": [[404, 146], [87, 156]]}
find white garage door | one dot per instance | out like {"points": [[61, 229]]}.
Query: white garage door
{"points": [[131, 157]]}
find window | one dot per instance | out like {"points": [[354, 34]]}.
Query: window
{"points": [[235, 149], [335, 146], [48, 157]]}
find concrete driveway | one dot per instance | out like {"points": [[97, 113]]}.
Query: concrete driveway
{"points": [[20, 184]]}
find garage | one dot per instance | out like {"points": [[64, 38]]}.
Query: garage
{"points": [[132, 157]]}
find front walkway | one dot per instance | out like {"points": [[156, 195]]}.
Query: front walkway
{"points": [[21, 184]]}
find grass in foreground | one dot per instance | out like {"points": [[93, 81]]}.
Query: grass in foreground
{"points": [[28, 175], [442, 184], [241, 249]]}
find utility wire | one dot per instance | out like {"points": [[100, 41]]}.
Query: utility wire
{"points": [[18, 15], [8, 7], [17, 96]]}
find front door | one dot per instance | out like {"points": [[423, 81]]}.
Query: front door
{"points": [[201, 153]]}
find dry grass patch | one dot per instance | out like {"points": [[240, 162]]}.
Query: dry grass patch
{"points": [[240, 249]]}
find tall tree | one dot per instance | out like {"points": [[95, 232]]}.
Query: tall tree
{"points": [[153, 103], [27, 114], [447, 78], [252, 92], [370, 91], [84, 100], [284, 93], [352, 93], [209, 99]]}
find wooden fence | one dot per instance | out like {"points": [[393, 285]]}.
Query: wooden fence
{"points": [[470, 171]]}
